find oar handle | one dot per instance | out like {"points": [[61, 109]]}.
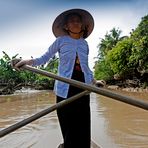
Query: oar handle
{"points": [[102, 91]]}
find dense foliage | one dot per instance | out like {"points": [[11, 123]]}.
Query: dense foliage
{"points": [[13, 77], [125, 56], [103, 67]]}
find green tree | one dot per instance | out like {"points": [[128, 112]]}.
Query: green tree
{"points": [[118, 57], [103, 70], [102, 67], [139, 55], [52, 66], [126, 56], [109, 41], [7, 74], [6, 71]]}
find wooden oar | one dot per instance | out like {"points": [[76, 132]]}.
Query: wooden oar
{"points": [[41, 114], [129, 100]]}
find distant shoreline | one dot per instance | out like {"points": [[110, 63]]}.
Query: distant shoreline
{"points": [[25, 89], [127, 89]]}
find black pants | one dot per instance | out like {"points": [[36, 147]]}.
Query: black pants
{"points": [[74, 118]]}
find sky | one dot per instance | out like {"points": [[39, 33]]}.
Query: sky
{"points": [[26, 25]]}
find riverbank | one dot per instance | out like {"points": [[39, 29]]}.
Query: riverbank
{"points": [[27, 89], [11, 88], [24, 93], [127, 89]]}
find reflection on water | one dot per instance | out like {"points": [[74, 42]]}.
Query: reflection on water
{"points": [[114, 124]]}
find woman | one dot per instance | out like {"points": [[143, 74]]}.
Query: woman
{"points": [[71, 28]]}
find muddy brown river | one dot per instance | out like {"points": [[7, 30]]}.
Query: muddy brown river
{"points": [[114, 124]]}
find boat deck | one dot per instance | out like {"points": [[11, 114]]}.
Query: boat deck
{"points": [[93, 145]]}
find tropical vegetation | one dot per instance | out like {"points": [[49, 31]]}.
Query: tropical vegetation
{"points": [[10, 79], [125, 57]]}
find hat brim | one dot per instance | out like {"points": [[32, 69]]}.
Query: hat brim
{"points": [[87, 21]]}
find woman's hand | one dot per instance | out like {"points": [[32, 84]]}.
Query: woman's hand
{"points": [[17, 64], [98, 83]]}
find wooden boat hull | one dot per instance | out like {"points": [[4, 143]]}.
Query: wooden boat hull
{"points": [[93, 145]]}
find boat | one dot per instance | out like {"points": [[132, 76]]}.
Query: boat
{"points": [[93, 145]]}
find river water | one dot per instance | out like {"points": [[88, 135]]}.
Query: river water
{"points": [[114, 124]]}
